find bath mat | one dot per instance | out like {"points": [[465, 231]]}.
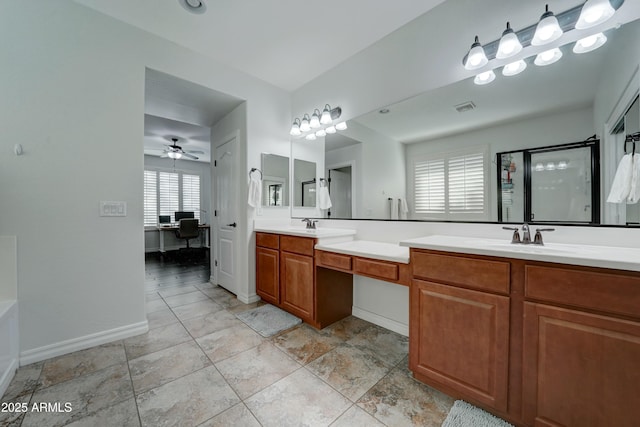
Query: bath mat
{"points": [[462, 414], [268, 320]]}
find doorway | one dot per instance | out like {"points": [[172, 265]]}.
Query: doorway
{"points": [[340, 180]]}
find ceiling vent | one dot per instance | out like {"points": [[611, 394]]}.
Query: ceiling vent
{"points": [[465, 106]]}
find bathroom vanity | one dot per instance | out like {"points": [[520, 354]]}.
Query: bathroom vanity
{"points": [[531, 334]]}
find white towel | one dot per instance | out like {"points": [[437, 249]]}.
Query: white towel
{"points": [[622, 181], [324, 200], [634, 192], [393, 208], [404, 208], [255, 191]]}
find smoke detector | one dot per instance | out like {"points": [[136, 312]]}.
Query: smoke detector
{"points": [[194, 6], [465, 106]]}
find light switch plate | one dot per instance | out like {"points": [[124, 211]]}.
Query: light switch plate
{"points": [[113, 208]]}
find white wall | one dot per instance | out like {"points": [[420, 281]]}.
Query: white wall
{"points": [[73, 96], [556, 128], [8, 268]]}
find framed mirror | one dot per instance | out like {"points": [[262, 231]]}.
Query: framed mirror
{"points": [[567, 101], [304, 183], [275, 180]]}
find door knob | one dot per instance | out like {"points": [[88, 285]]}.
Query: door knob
{"points": [[234, 225]]}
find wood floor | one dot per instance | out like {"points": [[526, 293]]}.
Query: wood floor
{"points": [[176, 269]]}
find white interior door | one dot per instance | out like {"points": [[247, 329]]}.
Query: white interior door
{"points": [[227, 218], [340, 192]]}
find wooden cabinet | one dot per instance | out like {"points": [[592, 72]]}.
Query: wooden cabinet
{"points": [[268, 274], [297, 285], [460, 338]]}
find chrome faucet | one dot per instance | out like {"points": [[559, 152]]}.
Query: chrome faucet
{"points": [[537, 240], [311, 225], [526, 235]]}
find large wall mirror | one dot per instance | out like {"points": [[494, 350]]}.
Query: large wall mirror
{"points": [[275, 180], [386, 156]]}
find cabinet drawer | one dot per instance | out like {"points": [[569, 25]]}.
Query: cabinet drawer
{"points": [[331, 259], [482, 274], [603, 291], [267, 240], [297, 245], [381, 269]]}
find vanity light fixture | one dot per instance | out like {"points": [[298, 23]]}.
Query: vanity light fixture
{"points": [[476, 58], [509, 44], [295, 128], [341, 126], [548, 29], [562, 164], [310, 137], [550, 166], [304, 126], [331, 129], [314, 123], [326, 119], [594, 12], [514, 68], [589, 43], [321, 133], [485, 78], [548, 57], [539, 167]]}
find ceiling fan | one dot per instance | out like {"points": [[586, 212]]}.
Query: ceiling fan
{"points": [[174, 151]]}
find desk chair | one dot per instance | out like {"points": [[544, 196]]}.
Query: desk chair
{"points": [[188, 229]]}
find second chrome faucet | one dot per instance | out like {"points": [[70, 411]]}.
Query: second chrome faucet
{"points": [[526, 235]]}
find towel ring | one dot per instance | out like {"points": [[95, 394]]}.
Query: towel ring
{"points": [[255, 170]]}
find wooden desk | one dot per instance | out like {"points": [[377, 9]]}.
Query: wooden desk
{"points": [[174, 228]]}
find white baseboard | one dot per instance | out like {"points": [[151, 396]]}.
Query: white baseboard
{"points": [[8, 375], [385, 322], [81, 343], [248, 299]]}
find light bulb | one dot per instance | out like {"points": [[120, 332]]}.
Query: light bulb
{"points": [[562, 164], [539, 167], [304, 126], [594, 12], [548, 57], [321, 133], [295, 128], [550, 166], [315, 119], [548, 29], [341, 126], [509, 44], [174, 154], [325, 119], [311, 137], [514, 68], [589, 43], [476, 58], [331, 129], [485, 78]]}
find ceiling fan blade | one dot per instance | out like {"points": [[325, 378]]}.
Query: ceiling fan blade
{"points": [[190, 156]]}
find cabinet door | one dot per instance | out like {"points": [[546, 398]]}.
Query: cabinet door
{"points": [[460, 338], [268, 275], [580, 369], [296, 272]]}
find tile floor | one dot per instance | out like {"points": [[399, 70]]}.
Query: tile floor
{"points": [[200, 366]]}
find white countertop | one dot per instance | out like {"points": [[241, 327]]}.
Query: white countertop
{"points": [[319, 233], [586, 255], [369, 249]]}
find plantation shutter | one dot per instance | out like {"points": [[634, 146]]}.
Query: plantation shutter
{"points": [[429, 187], [150, 198], [466, 183], [191, 194], [169, 193]]}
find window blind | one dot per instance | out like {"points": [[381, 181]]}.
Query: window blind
{"points": [[150, 198], [429, 186], [169, 193], [466, 183], [191, 194]]}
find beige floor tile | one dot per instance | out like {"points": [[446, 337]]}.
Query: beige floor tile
{"points": [[160, 318], [155, 305], [152, 296], [14, 418], [187, 401], [124, 414], [183, 299], [350, 371], [177, 290], [399, 400], [298, 399], [196, 309], [153, 370], [237, 416], [86, 394], [24, 381], [305, 344], [210, 323], [254, 369], [356, 417], [82, 362], [386, 345], [156, 339], [347, 328], [228, 342]]}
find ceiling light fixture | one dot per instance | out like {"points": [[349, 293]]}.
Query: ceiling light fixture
{"points": [[589, 43], [476, 58], [594, 12], [548, 57], [174, 155], [514, 68], [509, 44], [485, 78], [548, 29], [319, 124], [194, 6]]}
